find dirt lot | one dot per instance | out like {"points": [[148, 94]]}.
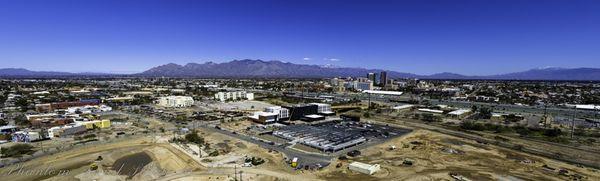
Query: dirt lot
{"points": [[435, 155], [274, 160], [75, 163]]}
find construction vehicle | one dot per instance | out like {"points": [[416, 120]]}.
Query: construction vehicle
{"points": [[294, 162], [93, 166]]}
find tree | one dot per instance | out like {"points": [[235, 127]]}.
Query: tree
{"points": [[485, 112], [474, 108], [22, 102], [194, 138], [17, 150], [552, 132], [429, 117], [21, 120]]}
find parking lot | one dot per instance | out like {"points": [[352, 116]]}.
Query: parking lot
{"points": [[331, 137]]}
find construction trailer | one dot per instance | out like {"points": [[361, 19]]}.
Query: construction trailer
{"points": [[364, 168]]}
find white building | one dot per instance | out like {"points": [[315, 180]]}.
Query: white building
{"points": [[364, 168], [271, 115], [435, 111], [223, 96], [89, 109], [264, 117], [323, 108], [460, 113], [361, 86], [176, 101], [403, 107], [282, 113]]}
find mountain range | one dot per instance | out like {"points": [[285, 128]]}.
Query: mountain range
{"points": [[21, 72], [277, 69]]}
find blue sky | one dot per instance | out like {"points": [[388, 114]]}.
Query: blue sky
{"points": [[478, 37]]}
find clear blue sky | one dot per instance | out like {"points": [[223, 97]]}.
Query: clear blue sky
{"points": [[476, 37]]}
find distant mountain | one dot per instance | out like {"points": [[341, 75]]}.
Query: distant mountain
{"points": [[278, 69], [552, 74], [25, 72], [20, 72], [447, 75], [260, 68]]}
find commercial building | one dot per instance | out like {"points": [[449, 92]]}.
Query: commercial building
{"points": [[402, 107], [95, 124], [435, 111], [389, 93], [89, 109], [282, 113], [70, 129], [26, 136], [297, 112], [176, 101], [364, 168], [238, 95], [271, 115], [372, 77], [360, 86], [64, 105], [383, 79], [459, 114], [317, 111], [50, 122], [323, 109], [8, 129], [264, 117]]}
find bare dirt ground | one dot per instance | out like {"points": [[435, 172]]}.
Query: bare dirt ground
{"points": [[274, 167], [433, 160], [75, 163]]}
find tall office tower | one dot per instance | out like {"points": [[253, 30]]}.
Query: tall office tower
{"points": [[383, 78], [372, 77]]}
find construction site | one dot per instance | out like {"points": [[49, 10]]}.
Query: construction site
{"points": [[426, 155]]}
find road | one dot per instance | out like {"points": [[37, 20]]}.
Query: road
{"points": [[552, 110]]}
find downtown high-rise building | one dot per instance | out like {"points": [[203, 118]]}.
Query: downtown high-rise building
{"points": [[383, 78], [372, 77]]}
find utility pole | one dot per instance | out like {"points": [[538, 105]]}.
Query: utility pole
{"points": [[545, 116], [241, 175], [369, 94], [573, 122], [235, 172]]}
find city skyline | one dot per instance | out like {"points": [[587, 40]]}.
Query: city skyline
{"points": [[424, 37]]}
